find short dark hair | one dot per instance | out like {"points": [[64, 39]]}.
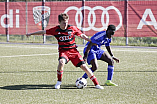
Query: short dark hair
{"points": [[111, 27], [63, 16]]}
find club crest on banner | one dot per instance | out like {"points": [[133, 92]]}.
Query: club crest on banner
{"points": [[41, 15]]}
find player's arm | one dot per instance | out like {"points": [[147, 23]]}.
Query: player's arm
{"points": [[83, 36], [110, 52], [37, 33], [87, 51]]}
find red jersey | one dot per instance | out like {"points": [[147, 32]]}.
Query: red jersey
{"points": [[66, 38]]}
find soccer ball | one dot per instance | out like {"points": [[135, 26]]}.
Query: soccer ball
{"points": [[81, 83]]}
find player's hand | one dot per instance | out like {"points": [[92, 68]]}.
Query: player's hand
{"points": [[116, 59], [85, 58]]}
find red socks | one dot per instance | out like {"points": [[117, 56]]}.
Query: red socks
{"points": [[59, 75], [94, 79]]}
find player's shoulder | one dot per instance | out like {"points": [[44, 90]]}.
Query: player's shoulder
{"points": [[99, 34], [52, 30], [72, 27], [56, 27]]}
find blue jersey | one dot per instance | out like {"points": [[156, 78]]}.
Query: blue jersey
{"points": [[100, 39]]}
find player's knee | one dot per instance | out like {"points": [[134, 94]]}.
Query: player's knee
{"points": [[111, 62], [84, 66], [94, 67], [61, 62]]}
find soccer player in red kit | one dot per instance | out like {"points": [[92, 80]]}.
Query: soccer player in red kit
{"points": [[64, 33]]}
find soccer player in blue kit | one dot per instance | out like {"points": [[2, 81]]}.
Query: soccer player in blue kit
{"points": [[93, 52]]}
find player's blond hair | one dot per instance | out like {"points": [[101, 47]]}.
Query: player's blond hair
{"points": [[63, 16]]}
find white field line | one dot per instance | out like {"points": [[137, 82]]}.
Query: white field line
{"points": [[80, 48], [31, 47], [57, 53], [114, 50], [134, 51], [28, 55]]}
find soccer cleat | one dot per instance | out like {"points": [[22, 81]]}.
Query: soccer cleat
{"points": [[109, 83], [57, 86], [99, 87]]}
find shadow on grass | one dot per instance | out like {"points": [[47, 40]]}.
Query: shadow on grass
{"points": [[34, 87], [129, 71]]}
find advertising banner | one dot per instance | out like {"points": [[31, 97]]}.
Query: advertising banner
{"points": [[142, 16], [90, 17], [16, 18], [2, 18]]}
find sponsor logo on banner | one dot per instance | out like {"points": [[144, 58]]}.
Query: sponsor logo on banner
{"points": [[10, 19], [41, 15], [143, 21], [93, 14]]}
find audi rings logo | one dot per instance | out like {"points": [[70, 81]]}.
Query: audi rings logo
{"points": [[92, 13]]}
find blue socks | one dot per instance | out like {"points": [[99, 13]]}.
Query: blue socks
{"points": [[85, 75], [110, 72]]}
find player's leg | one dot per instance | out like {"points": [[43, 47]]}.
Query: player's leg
{"points": [[105, 57], [91, 76], [60, 68], [63, 59], [92, 58], [60, 72], [78, 61], [94, 67]]}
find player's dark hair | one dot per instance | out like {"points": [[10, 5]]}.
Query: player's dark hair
{"points": [[63, 16], [111, 27]]}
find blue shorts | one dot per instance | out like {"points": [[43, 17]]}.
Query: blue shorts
{"points": [[94, 54]]}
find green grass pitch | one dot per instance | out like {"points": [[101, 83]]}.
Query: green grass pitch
{"points": [[28, 75]]}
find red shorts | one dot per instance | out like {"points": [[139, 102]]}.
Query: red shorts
{"points": [[73, 55]]}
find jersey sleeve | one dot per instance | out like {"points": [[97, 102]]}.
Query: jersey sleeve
{"points": [[77, 31], [96, 38], [50, 31], [108, 42]]}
